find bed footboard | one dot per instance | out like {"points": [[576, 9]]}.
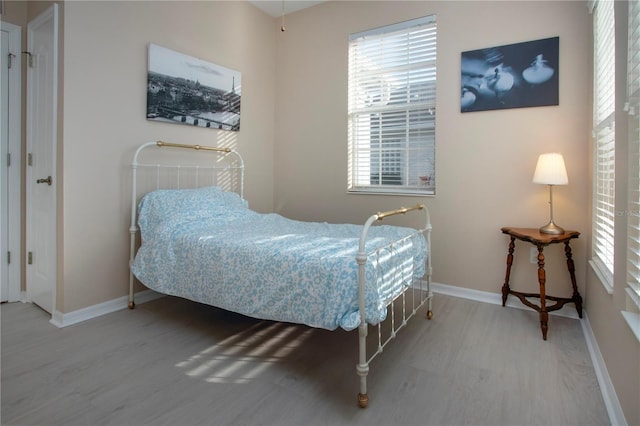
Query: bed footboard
{"points": [[419, 296]]}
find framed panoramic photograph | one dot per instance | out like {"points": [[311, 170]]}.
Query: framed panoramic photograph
{"points": [[511, 76], [186, 90]]}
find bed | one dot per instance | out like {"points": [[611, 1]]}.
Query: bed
{"points": [[199, 240]]}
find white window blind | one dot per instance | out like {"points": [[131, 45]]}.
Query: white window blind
{"points": [[392, 108], [633, 108], [604, 136]]}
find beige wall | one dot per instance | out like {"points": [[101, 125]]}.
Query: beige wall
{"points": [[484, 160], [105, 71], [293, 138]]}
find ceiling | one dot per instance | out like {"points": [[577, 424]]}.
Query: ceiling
{"points": [[274, 7]]}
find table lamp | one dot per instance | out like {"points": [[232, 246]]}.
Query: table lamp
{"points": [[550, 171]]}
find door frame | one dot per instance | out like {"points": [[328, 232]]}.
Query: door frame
{"points": [[14, 165], [50, 13]]}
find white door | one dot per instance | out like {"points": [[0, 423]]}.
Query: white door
{"points": [[42, 77], [10, 138]]}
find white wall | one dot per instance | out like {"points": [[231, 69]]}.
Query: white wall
{"points": [[484, 160], [105, 71]]}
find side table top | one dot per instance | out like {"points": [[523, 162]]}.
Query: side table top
{"points": [[533, 235]]}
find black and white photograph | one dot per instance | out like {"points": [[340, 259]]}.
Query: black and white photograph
{"points": [[517, 75], [186, 90]]}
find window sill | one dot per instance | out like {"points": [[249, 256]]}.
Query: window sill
{"points": [[633, 320], [634, 299], [378, 191], [606, 283]]}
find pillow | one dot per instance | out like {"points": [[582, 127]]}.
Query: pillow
{"points": [[164, 207]]}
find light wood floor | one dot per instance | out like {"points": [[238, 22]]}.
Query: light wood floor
{"points": [[174, 362]]}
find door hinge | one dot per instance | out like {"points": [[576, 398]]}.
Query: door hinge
{"points": [[30, 61], [30, 258], [30, 159], [10, 61], [8, 159], [8, 257]]}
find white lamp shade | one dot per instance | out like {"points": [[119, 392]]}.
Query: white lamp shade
{"points": [[550, 170]]}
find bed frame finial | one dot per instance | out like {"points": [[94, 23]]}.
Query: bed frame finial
{"points": [[363, 400]]}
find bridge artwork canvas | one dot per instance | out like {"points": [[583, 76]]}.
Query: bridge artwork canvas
{"points": [[186, 90]]}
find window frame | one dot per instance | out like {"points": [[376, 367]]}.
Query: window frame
{"points": [[396, 114], [631, 313], [602, 252]]}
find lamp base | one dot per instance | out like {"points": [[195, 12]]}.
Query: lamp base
{"points": [[552, 229]]}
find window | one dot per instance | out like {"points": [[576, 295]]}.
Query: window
{"points": [[633, 212], [392, 108], [604, 137]]}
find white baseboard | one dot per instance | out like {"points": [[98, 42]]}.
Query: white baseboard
{"points": [[616, 415], [61, 320], [614, 410], [496, 299]]}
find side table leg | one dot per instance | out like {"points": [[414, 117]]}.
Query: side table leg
{"points": [[544, 316], [505, 287], [577, 299]]}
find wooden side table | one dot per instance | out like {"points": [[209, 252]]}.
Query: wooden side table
{"points": [[533, 236]]}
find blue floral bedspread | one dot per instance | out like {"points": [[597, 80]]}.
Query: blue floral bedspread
{"points": [[206, 245]]}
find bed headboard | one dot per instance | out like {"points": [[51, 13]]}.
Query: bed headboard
{"points": [[168, 165]]}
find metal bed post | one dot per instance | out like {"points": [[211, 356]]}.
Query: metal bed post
{"points": [[362, 368], [133, 229]]}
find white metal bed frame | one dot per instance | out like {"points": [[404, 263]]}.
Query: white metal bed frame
{"points": [[420, 294]]}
